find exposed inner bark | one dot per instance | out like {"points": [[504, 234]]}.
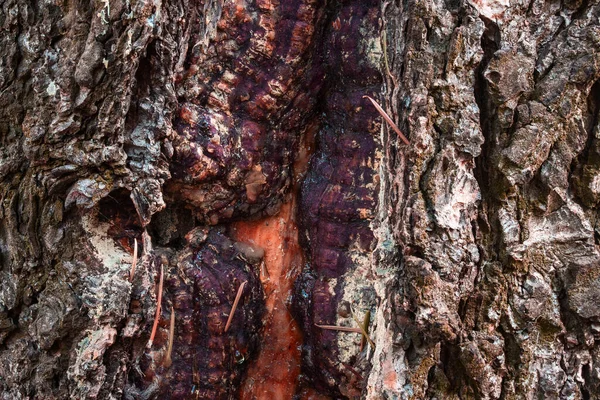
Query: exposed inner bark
{"points": [[276, 371]]}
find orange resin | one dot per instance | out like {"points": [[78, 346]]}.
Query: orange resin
{"points": [[274, 374]]}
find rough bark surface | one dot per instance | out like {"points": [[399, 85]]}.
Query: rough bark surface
{"points": [[470, 255]]}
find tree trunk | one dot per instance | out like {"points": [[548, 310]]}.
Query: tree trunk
{"points": [[199, 201]]}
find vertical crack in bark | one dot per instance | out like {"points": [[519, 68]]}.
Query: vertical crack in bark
{"points": [[490, 43], [582, 169]]}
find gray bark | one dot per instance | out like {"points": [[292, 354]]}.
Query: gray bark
{"points": [[496, 204]]}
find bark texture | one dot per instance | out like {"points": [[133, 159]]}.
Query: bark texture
{"points": [[470, 255], [497, 289]]}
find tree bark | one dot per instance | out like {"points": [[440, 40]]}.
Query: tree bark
{"points": [[230, 147]]}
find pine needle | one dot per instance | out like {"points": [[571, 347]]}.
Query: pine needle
{"points": [[235, 304], [365, 326], [385, 56], [134, 261], [387, 118], [339, 328], [157, 316], [362, 330], [168, 360]]}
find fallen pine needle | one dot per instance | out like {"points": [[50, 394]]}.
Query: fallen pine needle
{"points": [[134, 261], [363, 331], [365, 326], [168, 360], [388, 119], [339, 328], [235, 303], [157, 316], [385, 57]]}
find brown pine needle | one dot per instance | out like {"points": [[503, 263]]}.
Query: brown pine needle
{"points": [[235, 304], [134, 261], [157, 317], [168, 360], [387, 118], [339, 328], [363, 331]]}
